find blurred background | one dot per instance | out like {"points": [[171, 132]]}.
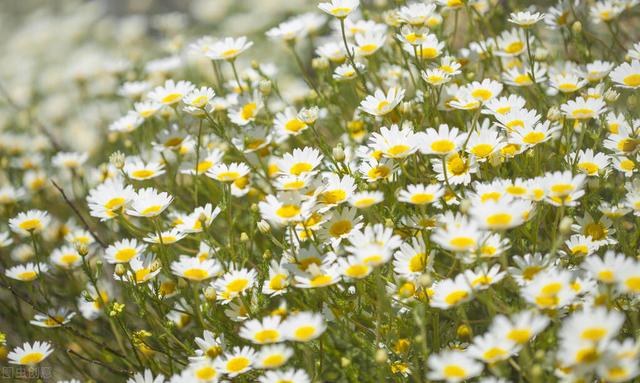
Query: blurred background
{"points": [[63, 60]]}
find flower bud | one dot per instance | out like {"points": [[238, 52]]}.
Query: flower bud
{"points": [[338, 153], [309, 115], [611, 96], [576, 27], [565, 225], [82, 249], [464, 331], [320, 63], [388, 223], [554, 114], [117, 159], [267, 254], [120, 269], [244, 237], [265, 87], [155, 266], [345, 362], [264, 226], [381, 356], [541, 54], [405, 107], [425, 280], [210, 293], [465, 205]]}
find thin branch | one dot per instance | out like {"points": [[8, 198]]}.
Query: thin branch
{"points": [[75, 210]]}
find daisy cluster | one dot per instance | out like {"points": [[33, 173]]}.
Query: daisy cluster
{"points": [[435, 190]]}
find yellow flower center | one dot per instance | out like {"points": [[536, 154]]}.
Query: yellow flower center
{"points": [[238, 364], [206, 373], [228, 176], [304, 333], [288, 211], [494, 353], [499, 219], [151, 210], [332, 197], [462, 243], [442, 146], [237, 285], [294, 125], [633, 284], [514, 47], [357, 271], [379, 172], [340, 228], [27, 275], [171, 98], [267, 336], [594, 333], [456, 297], [278, 282], [418, 263], [30, 224], [125, 255], [398, 150], [483, 94], [249, 110], [300, 167], [519, 335], [273, 361], [196, 274], [32, 358], [452, 370], [320, 280], [114, 203], [482, 150], [421, 198], [142, 173], [632, 80], [582, 113]]}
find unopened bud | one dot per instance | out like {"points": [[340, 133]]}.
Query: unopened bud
{"points": [[264, 226], [465, 205], [309, 115], [338, 153], [345, 362], [425, 280], [611, 96], [265, 87], [155, 266], [464, 331], [406, 107], [576, 27], [267, 254], [117, 159], [255, 64], [244, 237], [254, 207], [565, 225], [541, 54], [381, 356], [82, 249], [210, 293], [120, 269], [554, 114], [320, 63], [388, 223], [536, 370]]}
